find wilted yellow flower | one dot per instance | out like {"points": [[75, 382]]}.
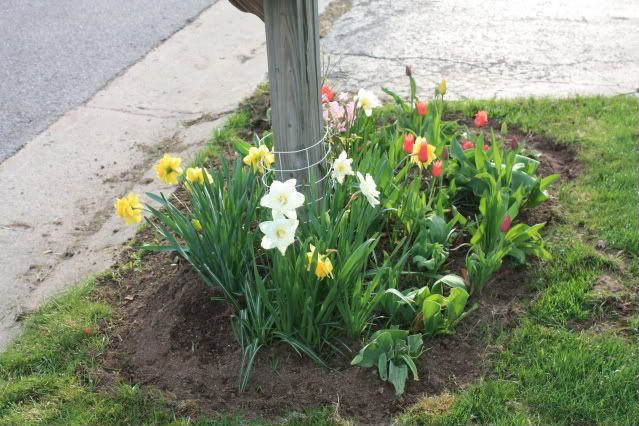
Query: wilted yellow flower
{"points": [[441, 88], [196, 225], [196, 175], [168, 169], [258, 158], [324, 266], [129, 208], [423, 153]]}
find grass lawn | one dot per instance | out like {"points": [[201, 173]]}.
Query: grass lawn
{"points": [[572, 358]]}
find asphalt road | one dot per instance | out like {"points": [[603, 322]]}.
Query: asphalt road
{"points": [[56, 54]]}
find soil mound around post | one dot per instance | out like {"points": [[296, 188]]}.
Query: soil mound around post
{"points": [[174, 334]]}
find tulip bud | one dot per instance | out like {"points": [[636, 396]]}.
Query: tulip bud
{"points": [[514, 143], [409, 141], [481, 118], [467, 145], [409, 71], [422, 108], [441, 89], [505, 224], [327, 94], [445, 153], [486, 147], [422, 155], [437, 168]]}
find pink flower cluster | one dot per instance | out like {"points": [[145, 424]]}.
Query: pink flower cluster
{"points": [[339, 114]]}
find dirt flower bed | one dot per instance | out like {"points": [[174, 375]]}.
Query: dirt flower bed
{"points": [[174, 333]]}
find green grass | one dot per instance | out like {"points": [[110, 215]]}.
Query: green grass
{"points": [[225, 136], [547, 373], [45, 376], [552, 377]]}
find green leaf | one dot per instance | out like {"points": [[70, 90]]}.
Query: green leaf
{"points": [[453, 281], [547, 181], [431, 313], [411, 365], [242, 147], [415, 343], [397, 375], [382, 366], [456, 304]]}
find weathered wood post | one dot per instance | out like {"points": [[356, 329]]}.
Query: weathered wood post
{"points": [[292, 41]]}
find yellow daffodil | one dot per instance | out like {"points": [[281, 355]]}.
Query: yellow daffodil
{"points": [[196, 225], [129, 208], [168, 169], [324, 266], [423, 153], [258, 158], [196, 175]]}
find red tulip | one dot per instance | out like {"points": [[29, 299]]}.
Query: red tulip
{"points": [[486, 147], [481, 118], [422, 108], [409, 141], [437, 168], [468, 145], [327, 94], [505, 224], [422, 155], [514, 143], [445, 153]]}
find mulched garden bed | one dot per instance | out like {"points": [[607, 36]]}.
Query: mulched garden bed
{"points": [[169, 334]]}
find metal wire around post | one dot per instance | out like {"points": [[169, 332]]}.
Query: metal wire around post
{"points": [[309, 166]]}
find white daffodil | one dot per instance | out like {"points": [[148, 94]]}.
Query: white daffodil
{"points": [[278, 233], [369, 188], [342, 167], [283, 198], [367, 100]]}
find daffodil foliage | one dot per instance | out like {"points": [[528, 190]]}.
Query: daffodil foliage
{"points": [[404, 191]]}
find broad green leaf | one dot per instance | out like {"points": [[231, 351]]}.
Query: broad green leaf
{"points": [[547, 181], [456, 304], [382, 366], [397, 375], [453, 281], [431, 313]]}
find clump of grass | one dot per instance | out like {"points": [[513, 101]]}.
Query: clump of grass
{"points": [[552, 376], [223, 137]]}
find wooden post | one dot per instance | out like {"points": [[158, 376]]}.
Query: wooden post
{"points": [[292, 41]]}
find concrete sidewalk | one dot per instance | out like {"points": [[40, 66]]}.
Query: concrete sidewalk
{"points": [[501, 48], [56, 218]]}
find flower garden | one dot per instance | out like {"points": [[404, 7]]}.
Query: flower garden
{"points": [[465, 263], [419, 214]]}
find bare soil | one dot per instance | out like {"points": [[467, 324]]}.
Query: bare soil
{"points": [[170, 333], [173, 334]]}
